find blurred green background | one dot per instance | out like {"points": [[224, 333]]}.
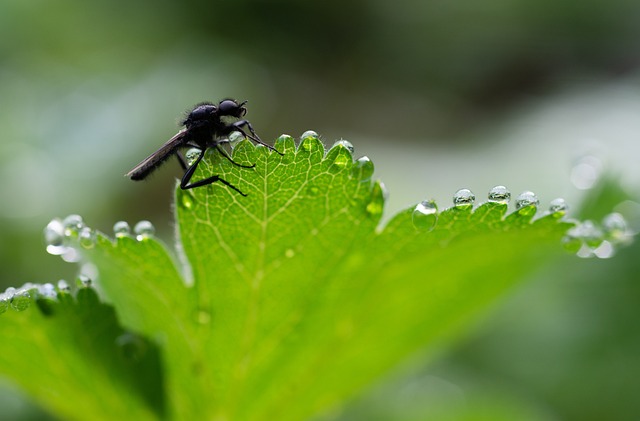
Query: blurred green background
{"points": [[540, 96]]}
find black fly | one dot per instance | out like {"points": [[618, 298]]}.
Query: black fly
{"points": [[204, 128]]}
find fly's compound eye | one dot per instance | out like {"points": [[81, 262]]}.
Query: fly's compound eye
{"points": [[228, 107]]}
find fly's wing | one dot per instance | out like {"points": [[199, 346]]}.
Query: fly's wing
{"points": [[154, 160]]}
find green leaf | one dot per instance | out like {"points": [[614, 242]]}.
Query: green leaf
{"points": [[75, 359], [293, 299]]}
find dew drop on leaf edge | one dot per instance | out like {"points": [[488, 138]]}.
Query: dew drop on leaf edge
{"points": [[464, 199], [364, 168], [144, 229], [63, 286], [72, 224], [20, 301], [121, 229], [309, 133], [47, 291], [87, 238], [83, 281], [499, 194], [527, 203], [346, 144], [558, 207], [425, 215]]}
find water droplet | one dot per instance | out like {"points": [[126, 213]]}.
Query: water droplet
{"points": [[615, 225], [425, 215], [364, 167], [499, 194], [72, 225], [191, 155], [309, 133], [289, 253], [313, 190], [83, 281], [63, 286], [10, 291], [54, 237], [87, 238], [558, 207], [47, 291], [346, 144], [526, 203], [144, 229], [585, 172], [121, 229], [376, 204], [21, 300], [463, 199], [235, 137], [4, 302]]}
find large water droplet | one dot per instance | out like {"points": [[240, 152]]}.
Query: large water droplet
{"points": [[364, 168], [87, 238], [191, 155], [21, 300], [558, 207], [499, 194], [463, 199], [72, 225], [526, 203], [425, 215], [144, 229], [121, 229], [54, 237]]}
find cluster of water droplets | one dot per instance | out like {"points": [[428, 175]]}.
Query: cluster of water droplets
{"points": [[591, 239], [587, 238], [63, 236], [20, 299], [67, 237]]}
